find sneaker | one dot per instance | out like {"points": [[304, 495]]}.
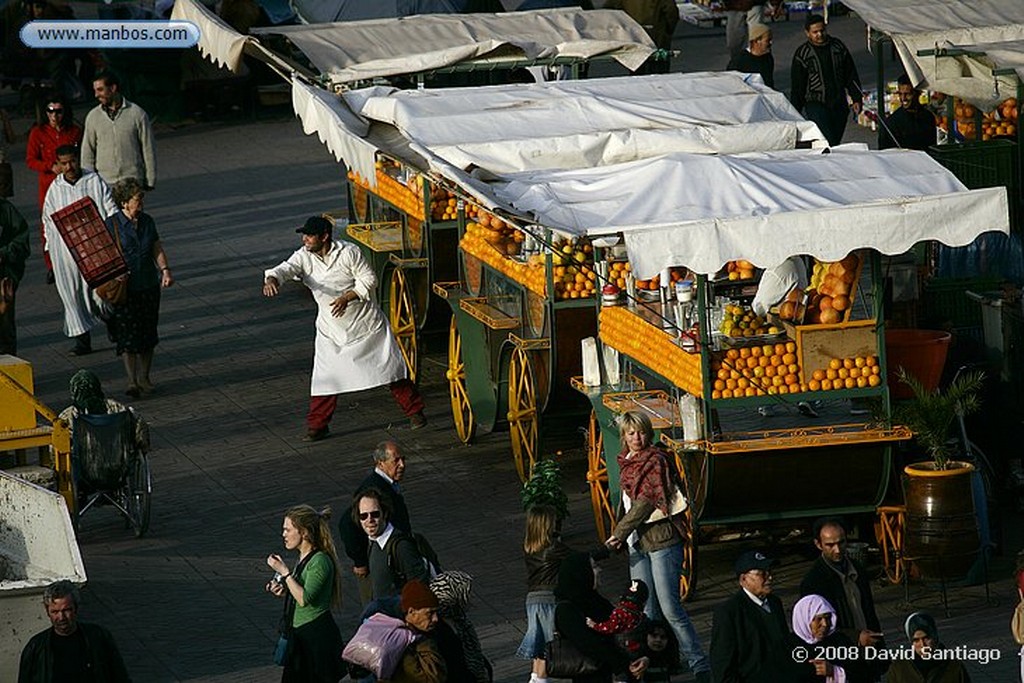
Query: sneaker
{"points": [[418, 421], [316, 434]]}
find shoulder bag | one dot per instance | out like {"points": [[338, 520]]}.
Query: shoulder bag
{"points": [[564, 660], [285, 644], [115, 291]]}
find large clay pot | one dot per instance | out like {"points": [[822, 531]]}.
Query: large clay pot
{"points": [[941, 535]]}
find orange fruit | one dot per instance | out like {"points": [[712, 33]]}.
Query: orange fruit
{"points": [[850, 383], [759, 371], [780, 349], [727, 393], [843, 373], [789, 358], [745, 352], [756, 351], [847, 363], [818, 375], [859, 361], [826, 384], [793, 368], [831, 374], [855, 372], [732, 353], [752, 362], [770, 371], [723, 373], [791, 347], [791, 379], [871, 361], [767, 350], [862, 382], [835, 363], [750, 391], [874, 381], [783, 388], [778, 381], [716, 394], [742, 383], [876, 370], [776, 361], [814, 385]]}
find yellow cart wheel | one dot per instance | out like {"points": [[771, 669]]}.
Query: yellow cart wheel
{"points": [[522, 412], [462, 410], [402, 316], [889, 534], [597, 478], [688, 571]]}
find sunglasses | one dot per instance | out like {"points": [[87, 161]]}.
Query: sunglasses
{"points": [[51, 110], [372, 514]]}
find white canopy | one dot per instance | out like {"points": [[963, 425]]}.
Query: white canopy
{"points": [[377, 48], [704, 210], [581, 124], [993, 27]]}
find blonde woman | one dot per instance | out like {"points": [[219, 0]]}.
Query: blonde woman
{"points": [[544, 552], [309, 589]]}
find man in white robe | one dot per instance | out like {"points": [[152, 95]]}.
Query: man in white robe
{"points": [[81, 311], [354, 348]]}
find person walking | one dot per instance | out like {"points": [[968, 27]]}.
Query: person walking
{"points": [[309, 590], [815, 625], [654, 533], [14, 251], [70, 650], [388, 472], [355, 349], [757, 57], [57, 130], [823, 75], [81, 312], [929, 663], [740, 17], [393, 557], [134, 323], [118, 139], [544, 551]]}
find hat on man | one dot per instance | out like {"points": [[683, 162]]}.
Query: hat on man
{"points": [[755, 31], [315, 225], [416, 595], [753, 559]]}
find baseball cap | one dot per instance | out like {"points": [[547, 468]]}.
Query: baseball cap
{"points": [[315, 225], [753, 559]]}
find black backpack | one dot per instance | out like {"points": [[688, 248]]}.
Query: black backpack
{"points": [[423, 549]]}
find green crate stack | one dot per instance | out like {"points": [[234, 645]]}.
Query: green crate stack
{"points": [[989, 163], [947, 307]]}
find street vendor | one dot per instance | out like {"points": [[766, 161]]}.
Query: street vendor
{"points": [[778, 282], [354, 349]]}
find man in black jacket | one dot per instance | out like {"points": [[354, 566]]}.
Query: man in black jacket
{"points": [[823, 74], [844, 583], [70, 650], [912, 126], [749, 633], [389, 468]]}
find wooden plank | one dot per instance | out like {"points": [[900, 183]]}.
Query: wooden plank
{"points": [[816, 345]]}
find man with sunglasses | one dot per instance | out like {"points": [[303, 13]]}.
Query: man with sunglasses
{"points": [[749, 632], [388, 470], [393, 557]]}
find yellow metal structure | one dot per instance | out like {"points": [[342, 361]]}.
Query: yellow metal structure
{"points": [[522, 412], [19, 428], [402, 316], [462, 410], [597, 479], [889, 533]]}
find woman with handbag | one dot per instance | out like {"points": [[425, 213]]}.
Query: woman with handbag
{"points": [[136, 300], [310, 645], [653, 530], [579, 652], [544, 551], [44, 138]]}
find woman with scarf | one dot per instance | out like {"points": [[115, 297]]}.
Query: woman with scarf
{"points": [[452, 590], [653, 530], [578, 600], [925, 667], [87, 398], [814, 629], [310, 589], [134, 323]]}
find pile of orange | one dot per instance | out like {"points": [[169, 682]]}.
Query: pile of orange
{"points": [[675, 274], [492, 240], [1000, 122], [617, 273], [652, 347], [443, 204], [756, 371], [847, 373]]}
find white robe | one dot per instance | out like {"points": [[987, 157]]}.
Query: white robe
{"points": [[80, 309], [356, 351]]}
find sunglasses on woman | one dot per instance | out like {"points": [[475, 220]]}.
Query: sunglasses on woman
{"points": [[51, 110]]}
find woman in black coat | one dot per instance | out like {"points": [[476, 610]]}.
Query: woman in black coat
{"points": [[577, 601]]}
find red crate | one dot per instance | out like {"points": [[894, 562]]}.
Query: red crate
{"points": [[92, 246]]}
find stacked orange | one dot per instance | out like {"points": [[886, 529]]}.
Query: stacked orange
{"points": [[652, 347], [857, 372], [492, 240], [408, 200], [756, 371], [675, 274], [617, 272], [574, 274], [443, 204]]}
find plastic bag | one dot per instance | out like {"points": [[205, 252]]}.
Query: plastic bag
{"points": [[378, 645]]}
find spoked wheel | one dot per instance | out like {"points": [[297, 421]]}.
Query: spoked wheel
{"points": [[889, 534], [462, 411], [597, 478], [140, 488], [688, 571], [402, 316], [522, 412]]}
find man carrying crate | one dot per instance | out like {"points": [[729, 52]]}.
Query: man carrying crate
{"points": [[81, 312]]}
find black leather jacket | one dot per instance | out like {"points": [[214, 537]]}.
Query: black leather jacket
{"points": [[542, 567]]}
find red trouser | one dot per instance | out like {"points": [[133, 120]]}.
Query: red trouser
{"points": [[321, 408]]}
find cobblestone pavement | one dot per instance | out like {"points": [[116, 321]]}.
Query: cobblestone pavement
{"points": [[186, 603]]}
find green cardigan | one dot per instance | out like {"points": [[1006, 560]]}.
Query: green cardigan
{"points": [[317, 583]]}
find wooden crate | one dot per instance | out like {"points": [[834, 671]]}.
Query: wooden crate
{"points": [[90, 243], [816, 345]]}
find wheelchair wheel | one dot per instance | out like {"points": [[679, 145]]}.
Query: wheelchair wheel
{"points": [[140, 487]]}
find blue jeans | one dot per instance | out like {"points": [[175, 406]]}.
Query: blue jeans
{"points": [[660, 571]]}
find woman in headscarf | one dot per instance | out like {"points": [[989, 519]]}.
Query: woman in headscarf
{"points": [[814, 624], [452, 589], [653, 529], [578, 600], [923, 635], [87, 397]]}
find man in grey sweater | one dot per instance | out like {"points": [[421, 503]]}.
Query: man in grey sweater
{"points": [[118, 138]]}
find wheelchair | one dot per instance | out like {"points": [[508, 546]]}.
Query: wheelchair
{"points": [[108, 468]]}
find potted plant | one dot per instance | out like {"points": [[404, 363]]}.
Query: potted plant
{"points": [[545, 488], [941, 535]]}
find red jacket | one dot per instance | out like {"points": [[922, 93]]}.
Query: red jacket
{"points": [[41, 152]]}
